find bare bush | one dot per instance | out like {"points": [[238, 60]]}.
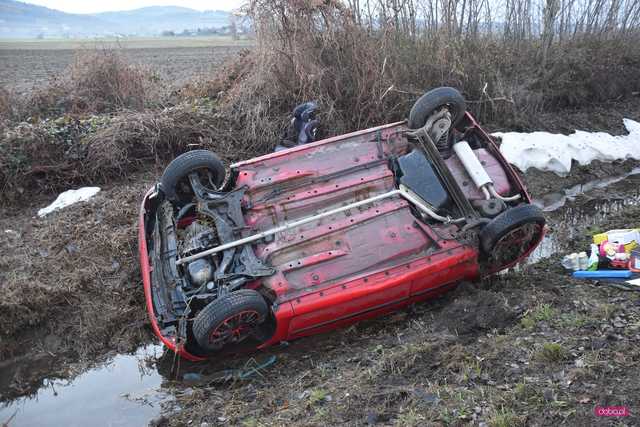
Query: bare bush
{"points": [[367, 60], [134, 141], [308, 50], [98, 81], [363, 61], [54, 155], [103, 81], [214, 87], [590, 70]]}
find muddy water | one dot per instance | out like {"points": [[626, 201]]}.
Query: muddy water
{"points": [[566, 215], [554, 201], [122, 392]]}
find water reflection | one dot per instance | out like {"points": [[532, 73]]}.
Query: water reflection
{"points": [[122, 392], [554, 201]]}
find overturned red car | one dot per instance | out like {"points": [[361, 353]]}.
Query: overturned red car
{"points": [[327, 233]]}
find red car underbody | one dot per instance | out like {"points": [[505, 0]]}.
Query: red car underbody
{"points": [[351, 266]]}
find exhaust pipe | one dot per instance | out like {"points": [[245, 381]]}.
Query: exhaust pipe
{"points": [[472, 164], [478, 175]]}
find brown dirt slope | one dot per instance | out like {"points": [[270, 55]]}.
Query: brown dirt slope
{"points": [[532, 347], [70, 281]]}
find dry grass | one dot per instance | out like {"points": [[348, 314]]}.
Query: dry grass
{"points": [[104, 81], [551, 353], [133, 141], [74, 276]]}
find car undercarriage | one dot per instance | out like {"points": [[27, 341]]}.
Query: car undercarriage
{"points": [[325, 233]]}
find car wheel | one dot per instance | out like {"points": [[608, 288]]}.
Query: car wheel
{"points": [[511, 234], [433, 101], [175, 178], [229, 320]]}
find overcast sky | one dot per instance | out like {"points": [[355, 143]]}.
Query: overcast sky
{"points": [[91, 6]]}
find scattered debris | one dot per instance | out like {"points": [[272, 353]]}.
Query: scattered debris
{"points": [[251, 368], [610, 256]]}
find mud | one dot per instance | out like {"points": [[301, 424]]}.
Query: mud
{"points": [[552, 201], [476, 310], [543, 183], [532, 346]]}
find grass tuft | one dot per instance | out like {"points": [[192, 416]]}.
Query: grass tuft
{"points": [[542, 313], [551, 353], [505, 418]]}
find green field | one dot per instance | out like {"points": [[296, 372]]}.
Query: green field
{"points": [[123, 42]]}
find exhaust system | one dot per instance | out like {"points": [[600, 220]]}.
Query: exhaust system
{"points": [[476, 171]]}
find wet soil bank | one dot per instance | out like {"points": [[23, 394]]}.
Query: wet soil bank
{"points": [[542, 183], [71, 288]]}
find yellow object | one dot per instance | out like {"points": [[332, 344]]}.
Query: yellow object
{"points": [[629, 237]]}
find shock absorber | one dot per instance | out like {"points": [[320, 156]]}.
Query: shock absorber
{"points": [[438, 126], [443, 143]]}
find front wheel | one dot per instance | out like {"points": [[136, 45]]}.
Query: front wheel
{"points": [[511, 235], [229, 320], [201, 165]]}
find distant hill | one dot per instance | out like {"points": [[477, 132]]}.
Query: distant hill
{"points": [[18, 20], [155, 19]]}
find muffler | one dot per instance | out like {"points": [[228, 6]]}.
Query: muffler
{"points": [[476, 171]]}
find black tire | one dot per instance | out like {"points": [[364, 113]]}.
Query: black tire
{"points": [[431, 101], [507, 222], [181, 166], [213, 316]]}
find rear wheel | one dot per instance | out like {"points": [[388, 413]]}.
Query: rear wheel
{"points": [[434, 101], [511, 235], [230, 319]]}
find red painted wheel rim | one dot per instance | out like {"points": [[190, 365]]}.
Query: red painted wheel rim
{"points": [[234, 329], [515, 243]]}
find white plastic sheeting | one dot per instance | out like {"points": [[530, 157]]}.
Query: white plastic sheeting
{"points": [[69, 197], [555, 152]]}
